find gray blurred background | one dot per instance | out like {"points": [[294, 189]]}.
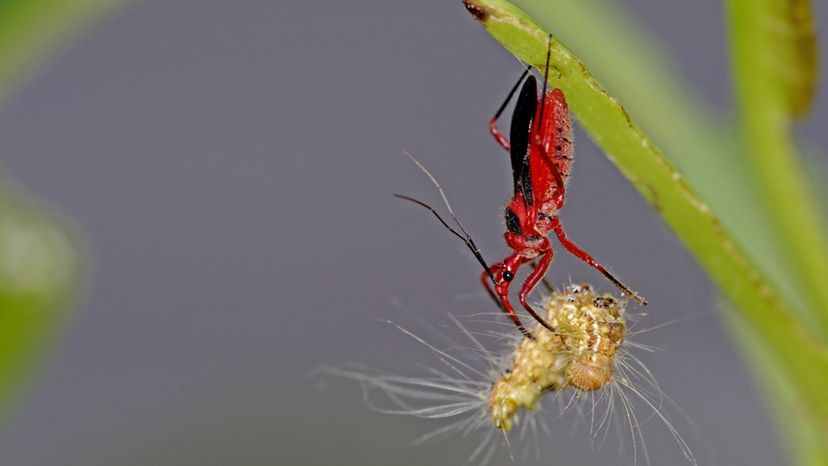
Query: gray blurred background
{"points": [[232, 165]]}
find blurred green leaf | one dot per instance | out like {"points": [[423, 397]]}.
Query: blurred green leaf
{"points": [[39, 262], [774, 59], [30, 30], [38, 275], [804, 439]]}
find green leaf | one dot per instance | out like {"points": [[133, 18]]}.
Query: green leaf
{"points": [[774, 59], [774, 41]]}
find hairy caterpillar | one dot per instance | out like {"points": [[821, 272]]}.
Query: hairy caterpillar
{"points": [[587, 359], [590, 330]]}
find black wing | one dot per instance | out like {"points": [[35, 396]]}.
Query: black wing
{"points": [[522, 118]]}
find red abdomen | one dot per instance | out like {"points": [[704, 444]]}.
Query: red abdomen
{"points": [[551, 161]]}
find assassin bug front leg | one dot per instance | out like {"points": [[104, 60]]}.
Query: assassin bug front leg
{"points": [[541, 150]]}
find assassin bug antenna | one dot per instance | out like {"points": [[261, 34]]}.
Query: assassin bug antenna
{"points": [[497, 277], [465, 237]]}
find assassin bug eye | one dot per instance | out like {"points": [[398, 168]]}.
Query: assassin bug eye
{"points": [[508, 276]]}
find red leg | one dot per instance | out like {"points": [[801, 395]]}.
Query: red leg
{"points": [[502, 298], [485, 279], [537, 274], [499, 137], [581, 254], [544, 281]]}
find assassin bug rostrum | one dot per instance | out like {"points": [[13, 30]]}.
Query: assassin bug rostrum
{"points": [[540, 146]]}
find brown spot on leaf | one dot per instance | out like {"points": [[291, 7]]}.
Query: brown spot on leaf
{"points": [[654, 199], [476, 10]]}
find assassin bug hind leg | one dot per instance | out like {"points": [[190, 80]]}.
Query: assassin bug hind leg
{"points": [[588, 259], [499, 137]]}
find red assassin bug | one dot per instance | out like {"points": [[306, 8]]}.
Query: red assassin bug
{"points": [[541, 153]]}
